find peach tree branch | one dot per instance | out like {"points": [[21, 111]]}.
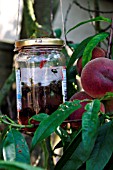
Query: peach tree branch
{"points": [[91, 10]]}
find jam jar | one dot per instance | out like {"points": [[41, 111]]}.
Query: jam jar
{"points": [[40, 69]]}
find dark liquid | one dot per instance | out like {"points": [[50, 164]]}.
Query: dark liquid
{"points": [[39, 99]]}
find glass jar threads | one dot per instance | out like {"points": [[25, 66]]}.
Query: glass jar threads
{"points": [[40, 76]]}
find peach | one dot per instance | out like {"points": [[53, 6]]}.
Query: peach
{"points": [[77, 115], [97, 77], [96, 53]]}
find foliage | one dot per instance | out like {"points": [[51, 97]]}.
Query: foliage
{"points": [[89, 147], [99, 18]]}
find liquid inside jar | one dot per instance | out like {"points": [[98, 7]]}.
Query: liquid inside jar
{"points": [[40, 90]]}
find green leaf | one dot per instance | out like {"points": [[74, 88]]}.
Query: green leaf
{"points": [[107, 96], [91, 45], [15, 147], [13, 165], [90, 124], [100, 18], [72, 84], [65, 52], [103, 148], [77, 159], [2, 137], [73, 46], [70, 154], [78, 52], [49, 125], [58, 32], [39, 117]]}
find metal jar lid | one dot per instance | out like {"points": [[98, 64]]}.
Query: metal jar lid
{"points": [[38, 42]]}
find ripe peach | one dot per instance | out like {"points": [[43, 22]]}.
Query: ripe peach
{"points": [[96, 53], [77, 115], [97, 77]]}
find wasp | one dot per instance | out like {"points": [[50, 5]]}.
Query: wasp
{"points": [[54, 71]]}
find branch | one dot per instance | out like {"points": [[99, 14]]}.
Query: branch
{"points": [[7, 121], [105, 29], [110, 41], [51, 17], [97, 13], [50, 158], [90, 15], [32, 27], [66, 16], [91, 10]]}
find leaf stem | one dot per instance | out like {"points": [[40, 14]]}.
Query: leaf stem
{"points": [[46, 154], [10, 120], [50, 156], [13, 124]]}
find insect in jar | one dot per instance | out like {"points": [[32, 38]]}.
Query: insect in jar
{"points": [[54, 71]]}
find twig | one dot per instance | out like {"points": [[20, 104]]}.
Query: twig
{"points": [[91, 10], [46, 154], [50, 158], [110, 41], [66, 16], [97, 13], [105, 29], [88, 2], [5, 120], [51, 17]]}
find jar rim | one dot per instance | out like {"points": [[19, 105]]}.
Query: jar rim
{"points": [[38, 42]]}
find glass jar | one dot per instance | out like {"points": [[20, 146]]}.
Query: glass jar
{"points": [[40, 76]]}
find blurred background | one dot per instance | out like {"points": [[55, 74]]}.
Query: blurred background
{"points": [[11, 16]]}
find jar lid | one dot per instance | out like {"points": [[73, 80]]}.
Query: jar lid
{"points": [[39, 42]]}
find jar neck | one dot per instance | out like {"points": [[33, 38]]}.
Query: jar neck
{"points": [[40, 48]]}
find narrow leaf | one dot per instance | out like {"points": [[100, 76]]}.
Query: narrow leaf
{"points": [[39, 117], [90, 124], [91, 45], [13, 165], [100, 18], [58, 33], [73, 46], [15, 147], [77, 159], [49, 125], [78, 52], [107, 96], [70, 153], [103, 148]]}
